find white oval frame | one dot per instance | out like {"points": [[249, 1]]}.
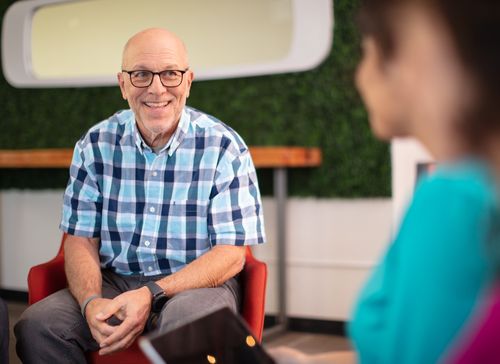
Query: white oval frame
{"points": [[311, 43]]}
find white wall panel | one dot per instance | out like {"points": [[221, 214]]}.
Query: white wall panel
{"points": [[332, 245], [29, 233]]}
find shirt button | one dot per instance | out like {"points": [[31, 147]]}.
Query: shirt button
{"points": [[147, 243], [150, 269], [152, 209], [155, 174]]}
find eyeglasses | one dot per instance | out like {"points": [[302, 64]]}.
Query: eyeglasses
{"points": [[144, 78]]}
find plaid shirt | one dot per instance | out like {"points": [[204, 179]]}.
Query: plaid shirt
{"points": [[155, 213]]}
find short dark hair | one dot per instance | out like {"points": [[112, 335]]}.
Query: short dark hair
{"points": [[474, 27]]}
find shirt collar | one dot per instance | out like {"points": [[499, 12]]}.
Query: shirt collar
{"points": [[180, 132], [174, 141]]}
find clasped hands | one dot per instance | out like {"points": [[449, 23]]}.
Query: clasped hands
{"points": [[132, 308]]}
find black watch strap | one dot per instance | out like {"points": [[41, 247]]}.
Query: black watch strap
{"points": [[159, 297], [155, 289]]}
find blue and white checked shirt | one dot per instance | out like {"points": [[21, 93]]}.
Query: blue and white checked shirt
{"points": [[155, 213]]}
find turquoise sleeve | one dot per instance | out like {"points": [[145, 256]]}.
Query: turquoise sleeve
{"points": [[425, 288]]}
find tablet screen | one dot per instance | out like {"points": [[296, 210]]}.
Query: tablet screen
{"points": [[218, 338]]}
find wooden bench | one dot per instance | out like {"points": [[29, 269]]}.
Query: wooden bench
{"points": [[263, 157]]}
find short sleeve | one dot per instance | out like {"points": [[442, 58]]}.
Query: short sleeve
{"points": [[82, 202], [235, 212]]}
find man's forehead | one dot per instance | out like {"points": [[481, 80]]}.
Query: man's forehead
{"points": [[155, 45], [148, 57]]}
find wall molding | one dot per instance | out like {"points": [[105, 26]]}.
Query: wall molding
{"points": [[315, 326], [320, 264], [14, 295]]}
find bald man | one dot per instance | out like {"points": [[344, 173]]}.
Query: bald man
{"points": [[162, 200]]}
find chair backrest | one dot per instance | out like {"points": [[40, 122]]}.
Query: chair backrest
{"points": [[47, 278], [253, 281]]}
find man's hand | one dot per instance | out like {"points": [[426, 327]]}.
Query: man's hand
{"points": [[132, 308], [100, 330]]}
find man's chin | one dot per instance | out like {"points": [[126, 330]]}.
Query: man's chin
{"points": [[158, 121], [157, 127]]}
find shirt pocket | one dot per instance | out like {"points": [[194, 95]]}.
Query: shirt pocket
{"points": [[186, 220]]}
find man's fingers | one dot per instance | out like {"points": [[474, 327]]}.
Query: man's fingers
{"points": [[121, 344], [120, 315], [105, 329], [101, 330], [109, 310], [132, 313], [97, 336], [127, 327]]}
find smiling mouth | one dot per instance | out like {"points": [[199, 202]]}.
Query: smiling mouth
{"points": [[156, 105]]}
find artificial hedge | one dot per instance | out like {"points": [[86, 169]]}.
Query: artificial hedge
{"points": [[316, 108]]}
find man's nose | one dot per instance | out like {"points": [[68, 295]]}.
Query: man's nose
{"points": [[156, 85]]}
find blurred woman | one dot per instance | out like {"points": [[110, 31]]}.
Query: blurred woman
{"points": [[431, 70]]}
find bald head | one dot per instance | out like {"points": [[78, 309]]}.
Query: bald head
{"points": [[155, 42]]}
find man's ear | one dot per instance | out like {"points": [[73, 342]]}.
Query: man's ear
{"points": [[121, 83], [189, 80]]}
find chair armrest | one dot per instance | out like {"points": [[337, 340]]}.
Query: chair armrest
{"points": [[46, 278], [254, 294]]}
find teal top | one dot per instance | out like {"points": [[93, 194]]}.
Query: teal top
{"points": [[424, 290]]}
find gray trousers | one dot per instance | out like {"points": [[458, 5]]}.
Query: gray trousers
{"points": [[54, 331], [4, 333]]}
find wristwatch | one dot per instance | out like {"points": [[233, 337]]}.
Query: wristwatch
{"points": [[159, 297]]}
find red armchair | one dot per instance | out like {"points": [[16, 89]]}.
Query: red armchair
{"points": [[49, 277]]}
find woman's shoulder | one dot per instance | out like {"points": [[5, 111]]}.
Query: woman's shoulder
{"points": [[468, 181], [457, 201]]}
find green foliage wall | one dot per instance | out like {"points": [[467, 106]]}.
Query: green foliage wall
{"points": [[315, 108]]}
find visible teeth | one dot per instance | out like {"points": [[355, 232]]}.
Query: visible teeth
{"points": [[156, 104]]}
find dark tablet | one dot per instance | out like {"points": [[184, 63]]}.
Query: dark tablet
{"points": [[218, 338]]}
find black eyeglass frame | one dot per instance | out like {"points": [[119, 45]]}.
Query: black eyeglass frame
{"points": [[159, 76]]}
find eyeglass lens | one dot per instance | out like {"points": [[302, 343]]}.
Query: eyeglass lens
{"points": [[168, 78]]}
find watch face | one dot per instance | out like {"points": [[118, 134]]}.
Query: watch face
{"points": [[158, 303]]}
